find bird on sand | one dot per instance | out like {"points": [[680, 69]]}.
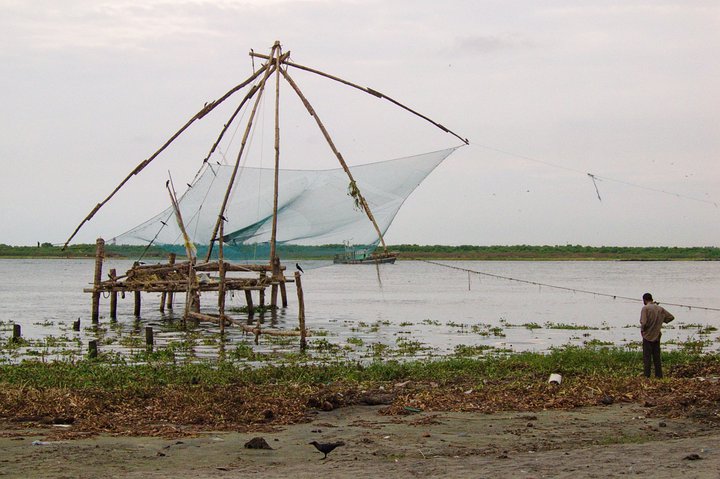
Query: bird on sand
{"points": [[299, 268], [326, 447]]}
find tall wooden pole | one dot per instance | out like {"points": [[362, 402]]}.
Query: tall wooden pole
{"points": [[301, 311], [273, 235], [360, 197], [221, 287]]}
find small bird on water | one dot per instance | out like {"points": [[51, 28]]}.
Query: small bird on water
{"points": [[299, 268], [326, 447]]}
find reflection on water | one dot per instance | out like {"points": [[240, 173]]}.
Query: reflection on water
{"points": [[410, 308]]}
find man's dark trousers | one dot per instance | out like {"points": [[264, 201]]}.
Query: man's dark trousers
{"points": [[651, 352]]}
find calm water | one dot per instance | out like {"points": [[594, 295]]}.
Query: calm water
{"points": [[410, 308]]}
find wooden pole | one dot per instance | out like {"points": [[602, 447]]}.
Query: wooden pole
{"points": [[138, 303], [149, 339], [169, 298], [113, 296], [92, 349], [356, 191], [221, 287], [246, 134], [17, 333], [99, 255], [273, 234], [301, 311], [283, 291], [249, 301]]}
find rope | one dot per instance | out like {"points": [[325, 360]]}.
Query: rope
{"points": [[599, 177], [563, 288]]}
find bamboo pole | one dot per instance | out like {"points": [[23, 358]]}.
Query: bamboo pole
{"points": [[273, 234], [301, 311], [97, 279], [371, 91], [339, 156], [205, 110], [191, 300], [231, 183]]}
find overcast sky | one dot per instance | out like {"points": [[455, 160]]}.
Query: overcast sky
{"points": [[546, 92]]}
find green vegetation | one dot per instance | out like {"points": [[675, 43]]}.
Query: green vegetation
{"points": [[407, 251], [47, 250], [114, 373]]}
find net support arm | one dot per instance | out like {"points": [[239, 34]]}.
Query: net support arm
{"points": [[371, 91], [205, 110], [339, 156], [269, 69]]}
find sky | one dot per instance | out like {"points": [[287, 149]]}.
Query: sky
{"points": [[546, 92]]}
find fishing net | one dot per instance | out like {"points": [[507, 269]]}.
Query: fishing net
{"points": [[317, 217]]}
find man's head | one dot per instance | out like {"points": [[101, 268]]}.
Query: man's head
{"points": [[647, 298]]}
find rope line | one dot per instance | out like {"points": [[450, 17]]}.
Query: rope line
{"points": [[600, 177], [563, 288]]}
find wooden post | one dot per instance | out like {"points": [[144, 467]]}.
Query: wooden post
{"points": [[249, 301], [149, 339], [92, 349], [283, 291], [99, 255], [113, 296], [138, 302], [17, 333], [301, 311], [262, 298], [169, 304], [221, 287]]}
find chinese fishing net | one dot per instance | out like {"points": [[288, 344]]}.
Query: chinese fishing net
{"points": [[317, 217]]}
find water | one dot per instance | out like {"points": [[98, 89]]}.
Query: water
{"points": [[408, 309]]}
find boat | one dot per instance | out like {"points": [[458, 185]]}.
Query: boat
{"points": [[362, 256]]}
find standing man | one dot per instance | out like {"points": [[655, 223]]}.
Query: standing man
{"points": [[652, 318]]}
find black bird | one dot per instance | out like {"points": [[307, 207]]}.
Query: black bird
{"points": [[326, 447], [301, 270]]}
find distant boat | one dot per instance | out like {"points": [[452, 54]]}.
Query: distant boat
{"points": [[363, 256]]}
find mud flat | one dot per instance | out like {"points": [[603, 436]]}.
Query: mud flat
{"points": [[598, 441]]}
